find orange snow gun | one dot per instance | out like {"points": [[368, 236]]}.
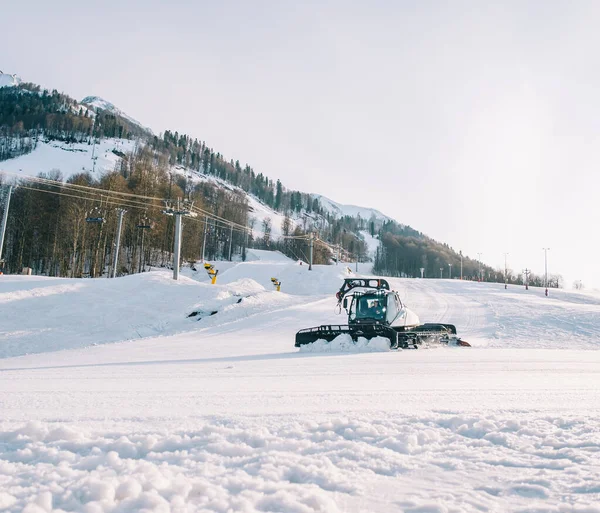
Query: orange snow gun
{"points": [[277, 284], [212, 272]]}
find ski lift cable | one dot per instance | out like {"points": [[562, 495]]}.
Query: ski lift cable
{"points": [[83, 189], [58, 183], [87, 198]]}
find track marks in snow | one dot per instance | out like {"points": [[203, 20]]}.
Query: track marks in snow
{"points": [[378, 463], [486, 314]]}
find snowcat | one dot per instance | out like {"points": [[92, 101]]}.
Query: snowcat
{"points": [[374, 310]]}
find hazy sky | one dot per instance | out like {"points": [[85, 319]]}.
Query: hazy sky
{"points": [[476, 123]]}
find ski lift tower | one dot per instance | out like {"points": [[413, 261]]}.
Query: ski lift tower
{"points": [[546, 268], [526, 273], [4, 222], [179, 209], [143, 226]]}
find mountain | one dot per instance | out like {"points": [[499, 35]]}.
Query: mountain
{"points": [[341, 210], [100, 103], [7, 80], [98, 146]]}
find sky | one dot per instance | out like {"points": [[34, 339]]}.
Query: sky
{"points": [[476, 123]]}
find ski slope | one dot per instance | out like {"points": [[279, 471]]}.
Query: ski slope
{"points": [[124, 403], [68, 158]]}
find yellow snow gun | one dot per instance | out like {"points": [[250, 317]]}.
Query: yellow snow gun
{"points": [[212, 272]]}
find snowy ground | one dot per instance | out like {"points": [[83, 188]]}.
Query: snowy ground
{"points": [[67, 158], [224, 414]]}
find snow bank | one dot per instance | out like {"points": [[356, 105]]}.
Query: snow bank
{"points": [[43, 314], [295, 277], [344, 344], [253, 255], [428, 463]]}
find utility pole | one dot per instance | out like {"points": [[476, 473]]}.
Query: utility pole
{"points": [[546, 268], [312, 236], [480, 276], [337, 260], [450, 266], [204, 237], [4, 221], [230, 240], [441, 272], [461, 273], [118, 244], [422, 269], [179, 209], [505, 272], [526, 273]]}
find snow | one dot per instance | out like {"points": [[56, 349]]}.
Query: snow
{"points": [[258, 210], [372, 243], [7, 80], [70, 159], [264, 255], [224, 414], [341, 210], [344, 343], [100, 103]]}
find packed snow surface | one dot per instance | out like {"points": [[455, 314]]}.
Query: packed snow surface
{"points": [[125, 403]]}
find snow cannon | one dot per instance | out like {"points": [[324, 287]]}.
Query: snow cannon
{"points": [[212, 272], [374, 310], [277, 284]]}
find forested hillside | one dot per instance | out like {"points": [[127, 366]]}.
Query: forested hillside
{"points": [[48, 231]]}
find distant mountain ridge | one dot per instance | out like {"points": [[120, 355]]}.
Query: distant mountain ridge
{"points": [[341, 209], [7, 80], [100, 103]]}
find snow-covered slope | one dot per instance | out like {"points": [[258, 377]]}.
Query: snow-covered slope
{"points": [[340, 210], [371, 242], [69, 158], [253, 255], [259, 212], [100, 103], [72, 312], [7, 80], [75, 158], [224, 414]]}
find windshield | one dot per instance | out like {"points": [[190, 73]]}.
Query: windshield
{"points": [[370, 307]]}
